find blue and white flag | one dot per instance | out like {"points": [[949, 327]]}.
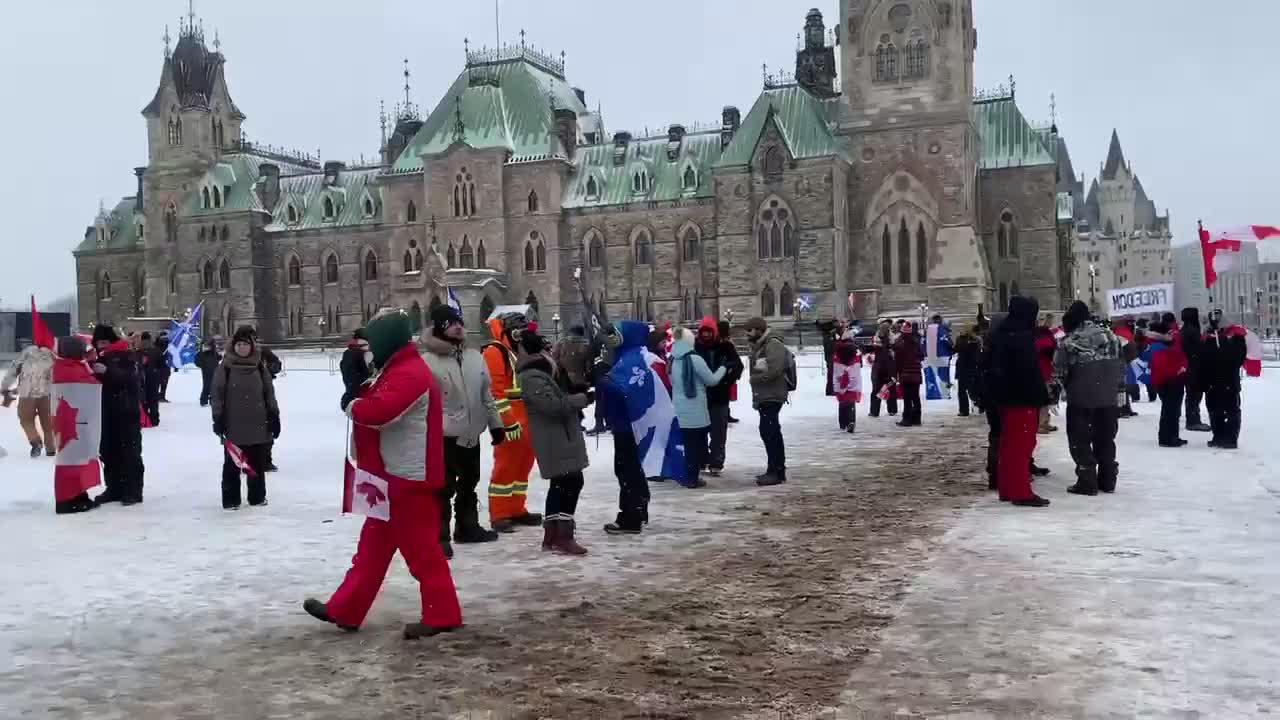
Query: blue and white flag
{"points": [[453, 301], [184, 340], [649, 410], [937, 367]]}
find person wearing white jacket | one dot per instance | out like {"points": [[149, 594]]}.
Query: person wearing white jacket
{"points": [[32, 373]]}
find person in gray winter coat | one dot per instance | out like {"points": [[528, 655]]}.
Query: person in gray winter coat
{"points": [[246, 415], [1089, 366], [768, 374], [557, 439]]}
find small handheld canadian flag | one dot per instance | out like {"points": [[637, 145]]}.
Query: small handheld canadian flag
{"points": [[363, 493], [237, 457]]}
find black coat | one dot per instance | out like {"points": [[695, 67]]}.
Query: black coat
{"points": [[121, 390], [1221, 357], [208, 361], [271, 361], [968, 347], [1014, 379], [1192, 343], [721, 354], [882, 365], [354, 373]]}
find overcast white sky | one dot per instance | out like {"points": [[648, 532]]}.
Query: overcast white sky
{"points": [[1192, 89]]}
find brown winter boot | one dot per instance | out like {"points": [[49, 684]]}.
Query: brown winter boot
{"points": [[550, 534], [564, 542]]}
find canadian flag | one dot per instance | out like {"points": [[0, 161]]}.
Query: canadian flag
{"points": [[363, 493], [76, 397], [1252, 354], [1218, 248], [237, 456]]}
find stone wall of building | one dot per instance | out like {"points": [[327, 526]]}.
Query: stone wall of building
{"points": [[1029, 194]]}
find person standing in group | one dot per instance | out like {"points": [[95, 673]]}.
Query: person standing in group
{"points": [[968, 347], [1089, 366], [725, 332], [554, 403], [718, 352], [163, 367], [907, 358], [208, 360], [513, 459], [398, 437], [633, 389], [1046, 347], [354, 366], [883, 371], [468, 411], [30, 374], [772, 379], [245, 414], [690, 378], [1168, 377], [1222, 356], [846, 380], [601, 355], [151, 360], [1019, 391], [121, 446], [572, 354], [1192, 341], [275, 367]]}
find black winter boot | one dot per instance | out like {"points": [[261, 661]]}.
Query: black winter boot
{"points": [[549, 532], [1034, 501], [528, 519], [473, 534], [1086, 482], [317, 610], [417, 631], [80, 503]]}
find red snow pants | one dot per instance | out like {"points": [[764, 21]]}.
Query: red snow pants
{"points": [[1018, 427], [414, 530]]}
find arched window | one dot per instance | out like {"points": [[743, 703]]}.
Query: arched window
{"points": [[922, 255], [762, 241], [471, 189], [206, 276], [532, 301], [204, 198], [1007, 235], [639, 182], [642, 254], [775, 241], [533, 201], [786, 300], [411, 212], [171, 224], [1004, 297], [328, 208], [904, 253], [541, 252], [773, 162], [482, 259], [886, 257], [295, 271], [789, 241], [451, 256], [291, 213], [917, 65], [1002, 248], [104, 286], [224, 275], [1014, 291], [225, 233], [595, 252], [370, 266], [331, 268], [529, 265], [457, 201], [692, 251], [593, 189], [486, 308], [417, 260], [415, 316], [690, 180], [178, 131], [886, 63], [368, 207], [775, 230], [173, 279], [466, 258], [407, 261], [464, 194], [203, 234], [767, 307], [217, 197]]}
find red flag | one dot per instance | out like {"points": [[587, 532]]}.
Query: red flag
{"points": [[40, 334], [237, 457], [77, 428]]}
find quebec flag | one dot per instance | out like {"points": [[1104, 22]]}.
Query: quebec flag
{"points": [[184, 339], [1139, 371], [639, 390], [937, 366]]}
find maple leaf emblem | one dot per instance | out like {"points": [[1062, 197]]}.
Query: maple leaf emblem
{"points": [[372, 494], [64, 423]]}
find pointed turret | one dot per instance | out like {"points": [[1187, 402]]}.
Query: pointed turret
{"points": [[1115, 158]]}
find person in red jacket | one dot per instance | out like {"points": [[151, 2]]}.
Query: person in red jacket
{"points": [[907, 355], [398, 436], [1168, 377], [1046, 346]]}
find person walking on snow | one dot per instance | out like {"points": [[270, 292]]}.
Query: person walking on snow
{"points": [[354, 366], [968, 347], [1222, 356], [772, 379], [907, 358], [469, 411], [245, 414], [883, 371], [1019, 391], [624, 395], [208, 360], [1168, 377], [1192, 342], [847, 380], [690, 379], [554, 402], [398, 436], [1090, 369], [31, 375], [717, 351], [121, 445], [513, 459]]}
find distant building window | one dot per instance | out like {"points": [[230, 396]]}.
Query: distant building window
{"points": [[295, 271], [482, 259], [370, 266], [595, 252], [171, 224], [368, 207], [904, 253], [466, 258], [593, 189], [775, 231], [464, 194], [643, 255], [104, 291], [786, 299], [691, 246], [639, 182], [533, 201], [225, 233], [767, 300], [328, 209], [204, 198], [173, 279], [529, 265], [411, 212], [917, 60], [292, 214], [407, 261], [217, 197], [886, 63], [773, 162], [1004, 297], [331, 269], [541, 256], [1007, 235], [922, 254], [224, 275], [690, 180], [451, 256], [886, 256], [417, 260], [203, 234], [206, 276]]}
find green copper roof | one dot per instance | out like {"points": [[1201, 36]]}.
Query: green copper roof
{"points": [[307, 193], [663, 179], [240, 172], [805, 122], [505, 104], [121, 228], [1006, 138]]}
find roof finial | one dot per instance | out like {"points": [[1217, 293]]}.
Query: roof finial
{"points": [[191, 14], [466, 49], [1013, 88], [1053, 109], [217, 42], [166, 40], [521, 38], [382, 120], [406, 84], [459, 127]]}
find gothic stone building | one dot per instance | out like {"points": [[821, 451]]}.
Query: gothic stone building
{"points": [[871, 188]]}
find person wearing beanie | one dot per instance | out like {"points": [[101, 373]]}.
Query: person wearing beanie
{"points": [[245, 414], [1192, 339], [571, 354], [725, 333], [354, 366], [554, 403], [513, 459], [77, 468], [207, 360], [772, 376], [718, 352], [908, 357], [691, 379], [120, 448], [1089, 367], [1018, 390], [397, 436], [469, 412]]}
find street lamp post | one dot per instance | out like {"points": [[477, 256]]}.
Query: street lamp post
{"points": [[799, 316], [1257, 308], [555, 320], [1242, 309], [1093, 287]]}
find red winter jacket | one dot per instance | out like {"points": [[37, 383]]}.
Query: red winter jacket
{"points": [[1168, 362], [397, 422], [1046, 345], [907, 356]]}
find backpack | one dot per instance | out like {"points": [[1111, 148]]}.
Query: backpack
{"points": [[789, 373]]}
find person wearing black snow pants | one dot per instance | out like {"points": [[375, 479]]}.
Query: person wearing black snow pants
{"points": [[1089, 365], [120, 447], [1192, 343], [1222, 357]]}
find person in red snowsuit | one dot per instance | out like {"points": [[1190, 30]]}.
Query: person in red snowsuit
{"points": [[398, 436]]}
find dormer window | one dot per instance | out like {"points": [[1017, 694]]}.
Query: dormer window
{"points": [[328, 209], [217, 197], [640, 182], [291, 214], [368, 206], [689, 181], [593, 189], [205, 202]]}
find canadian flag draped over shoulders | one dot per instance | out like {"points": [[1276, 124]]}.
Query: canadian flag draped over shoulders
{"points": [[846, 372], [76, 401]]}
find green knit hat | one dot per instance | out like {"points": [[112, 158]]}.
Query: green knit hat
{"points": [[387, 332]]}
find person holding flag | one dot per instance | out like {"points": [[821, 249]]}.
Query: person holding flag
{"points": [[30, 373], [246, 418], [398, 444], [77, 402], [116, 367], [512, 459]]}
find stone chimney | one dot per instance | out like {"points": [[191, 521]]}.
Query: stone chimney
{"points": [[567, 129], [137, 202], [730, 121], [331, 170], [620, 142], [675, 136], [268, 185]]}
